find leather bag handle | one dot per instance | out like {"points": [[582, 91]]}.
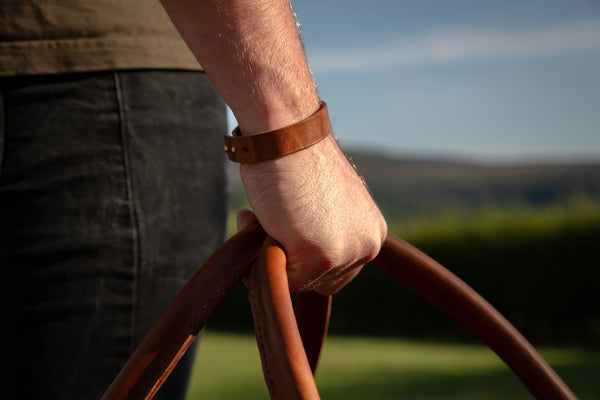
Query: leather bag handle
{"points": [[177, 327], [286, 368], [430, 280], [285, 352]]}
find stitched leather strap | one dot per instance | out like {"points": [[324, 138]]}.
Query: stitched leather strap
{"points": [[173, 333], [430, 280], [286, 367], [279, 142], [177, 327]]}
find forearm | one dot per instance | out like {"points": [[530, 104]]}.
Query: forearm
{"points": [[311, 201], [252, 53]]}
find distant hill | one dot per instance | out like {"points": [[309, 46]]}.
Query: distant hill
{"points": [[424, 187], [420, 186]]}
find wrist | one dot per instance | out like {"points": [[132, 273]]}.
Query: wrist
{"points": [[279, 142], [262, 116]]}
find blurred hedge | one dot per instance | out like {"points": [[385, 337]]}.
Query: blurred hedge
{"points": [[539, 268]]}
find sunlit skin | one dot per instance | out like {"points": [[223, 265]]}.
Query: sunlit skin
{"points": [[312, 201]]}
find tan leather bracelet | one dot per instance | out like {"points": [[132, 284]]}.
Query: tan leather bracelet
{"points": [[279, 142]]}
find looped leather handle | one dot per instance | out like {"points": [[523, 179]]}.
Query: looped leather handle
{"points": [[177, 327], [288, 358], [286, 368], [430, 280]]}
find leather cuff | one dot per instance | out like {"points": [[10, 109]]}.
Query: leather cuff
{"points": [[279, 142]]}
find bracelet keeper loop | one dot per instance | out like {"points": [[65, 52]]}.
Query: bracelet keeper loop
{"points": [[279, 142]]}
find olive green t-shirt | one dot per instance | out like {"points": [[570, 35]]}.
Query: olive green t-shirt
{"points": [[63, 36]]}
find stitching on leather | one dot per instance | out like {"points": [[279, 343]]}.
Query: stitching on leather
{"points": [[158, 378], [260, 338]]}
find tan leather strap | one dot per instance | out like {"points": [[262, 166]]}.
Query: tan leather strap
{"points": [[280, 142], [430, 280], [169, 338], [285, 365], [173, 333]]}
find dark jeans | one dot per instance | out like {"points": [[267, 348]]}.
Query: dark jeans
{"points": [[112, 194]]}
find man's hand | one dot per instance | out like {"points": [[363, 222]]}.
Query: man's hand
{"points": [[312, 201], [318, 208]]}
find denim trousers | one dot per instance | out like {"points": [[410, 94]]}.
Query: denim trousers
{"points": [[112, 194]]}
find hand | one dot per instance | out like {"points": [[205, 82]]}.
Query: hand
{"points": [[318, 208], [311, 201]]}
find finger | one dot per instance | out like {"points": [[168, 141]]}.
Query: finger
{"points": [[333, 283], [245, 218], [330, 282]]}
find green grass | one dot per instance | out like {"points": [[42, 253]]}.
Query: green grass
{"points": [[228, 367]]}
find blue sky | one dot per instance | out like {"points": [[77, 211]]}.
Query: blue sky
{"points": [[498, 81]]}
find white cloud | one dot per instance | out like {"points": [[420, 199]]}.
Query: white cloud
{"points": [[463, 45]]}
